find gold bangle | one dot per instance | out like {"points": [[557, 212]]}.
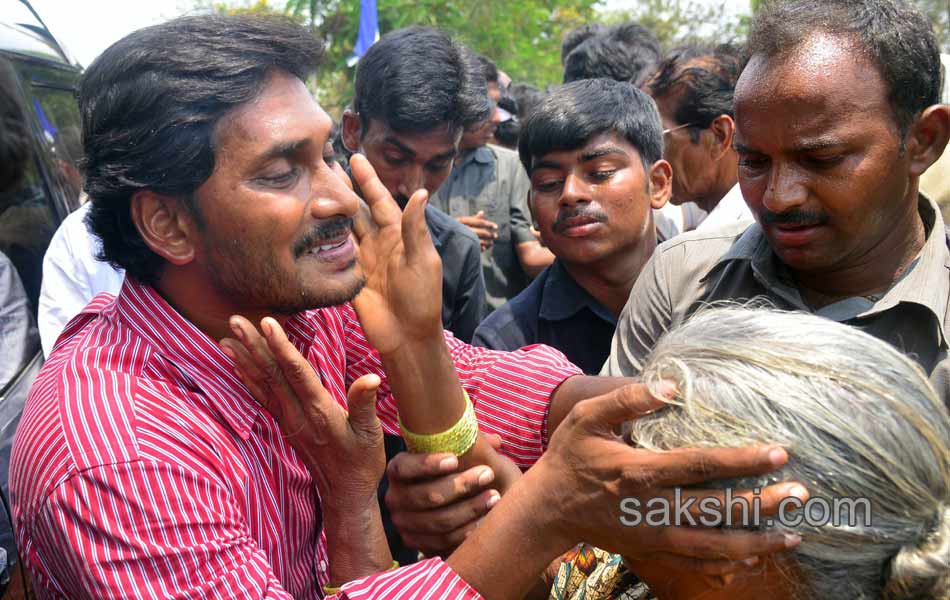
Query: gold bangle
{"points": [[458, 439], [331, 590]]}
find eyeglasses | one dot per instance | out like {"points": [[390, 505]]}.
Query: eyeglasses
{"points": [[672, 129]]}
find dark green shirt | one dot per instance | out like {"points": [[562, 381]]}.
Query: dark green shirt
{"points": [[491, 179]]}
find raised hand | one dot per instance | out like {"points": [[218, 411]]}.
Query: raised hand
{"points": [[402, 299], [343, 450], [487, 231], [591, 471]]}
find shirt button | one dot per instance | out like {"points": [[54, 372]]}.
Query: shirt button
{"points": [[323, 566]]}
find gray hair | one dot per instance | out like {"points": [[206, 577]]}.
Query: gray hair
{"points": [[859, 420]]}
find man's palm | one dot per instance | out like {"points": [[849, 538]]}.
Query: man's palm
{"points": [[402, 298]]}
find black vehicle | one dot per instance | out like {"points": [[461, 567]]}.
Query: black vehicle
{"points": [[46, 80]]}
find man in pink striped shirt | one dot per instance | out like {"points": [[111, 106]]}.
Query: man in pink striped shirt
{"points": [[144, 467]]}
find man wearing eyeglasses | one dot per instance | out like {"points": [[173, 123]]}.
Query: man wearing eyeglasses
{"points": [[693, 90]]}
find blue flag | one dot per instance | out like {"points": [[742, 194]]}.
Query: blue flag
{"points": [[48, 128], [369, 30]]}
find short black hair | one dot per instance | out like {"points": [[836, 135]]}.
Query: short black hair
{"points": [[528, 98], [896, 37], [578, 35], [704, 80], [14, 131], [624, 52], [574, 113], [489, 68], [150, 104], [507, 132], [416, 79]]}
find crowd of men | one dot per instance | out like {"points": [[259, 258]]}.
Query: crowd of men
{"points": [[256, 303]]}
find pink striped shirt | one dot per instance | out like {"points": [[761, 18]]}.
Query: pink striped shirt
{"points": [[142, 467]]}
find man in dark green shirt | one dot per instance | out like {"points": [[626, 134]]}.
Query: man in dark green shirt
{"points": [[487, 191]]}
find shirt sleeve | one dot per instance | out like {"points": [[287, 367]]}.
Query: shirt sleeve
{"points": [[511, 391], [646, 316], [17, 330], [520, 214], [142, 529], [431, 579]]}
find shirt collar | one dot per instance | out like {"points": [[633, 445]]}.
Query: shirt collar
{"points": [[482, 154], [192, 352], [925, 282], [562, 297]]}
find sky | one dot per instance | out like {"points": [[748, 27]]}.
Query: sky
{"points": [[87, 27]]}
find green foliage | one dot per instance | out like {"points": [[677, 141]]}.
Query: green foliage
{"points": [[676, 22], [523, 38], [939, 13]]}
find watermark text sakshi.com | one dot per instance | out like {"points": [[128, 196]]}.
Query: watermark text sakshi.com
{"points": [[738, 511]]}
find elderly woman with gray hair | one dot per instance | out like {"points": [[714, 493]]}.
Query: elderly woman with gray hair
{"points": [[860, 421]]}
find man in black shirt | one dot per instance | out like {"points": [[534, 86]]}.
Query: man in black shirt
{"points": [[593, 152], [416, 90]]}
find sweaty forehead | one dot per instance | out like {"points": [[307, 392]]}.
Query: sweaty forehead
{"points": [[825, 79], [284, 111], [440, 141]]}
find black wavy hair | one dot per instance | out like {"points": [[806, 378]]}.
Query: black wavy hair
{"points": [[150, 104], [624, 52], [416, 79], [528, 98], [578, 35], [489, 68], [704, 80]]}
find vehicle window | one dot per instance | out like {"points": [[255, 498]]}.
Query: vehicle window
{"points": [[57, 114], [27, 222]]}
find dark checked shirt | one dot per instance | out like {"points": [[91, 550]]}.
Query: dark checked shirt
{"points": [[492, 179]]}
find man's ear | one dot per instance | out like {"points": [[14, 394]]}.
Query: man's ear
{"points": [[722, 130], [352, 130], [166, 225], [661, 183], [927, 138]]}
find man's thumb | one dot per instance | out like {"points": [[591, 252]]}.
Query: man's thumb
{"points": [[361, 399]]}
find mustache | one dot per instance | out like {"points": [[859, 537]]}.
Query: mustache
{"points": [[592, 214], [326, 230], [794, 217]]}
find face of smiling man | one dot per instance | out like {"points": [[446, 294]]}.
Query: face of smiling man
{"points": [[275, 217]]}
